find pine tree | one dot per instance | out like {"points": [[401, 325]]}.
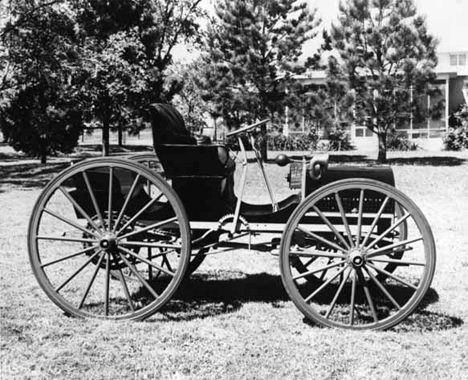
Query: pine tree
{"points": [[385, 55], [253, 51]]}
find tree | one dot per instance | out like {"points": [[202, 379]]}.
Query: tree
{"points": [[41, 110], [131, 44], [188, 99], [253, 50], [385, 57]]}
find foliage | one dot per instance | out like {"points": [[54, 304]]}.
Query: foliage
{"points": [[385, 53], [399, 142], [253, 49], [296, 142], [130, 44], [188, 100], [251, 56], [339, 140], [41, 110], [457, 137]]}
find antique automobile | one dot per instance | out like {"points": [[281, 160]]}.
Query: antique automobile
{"points": [[114, 238]]}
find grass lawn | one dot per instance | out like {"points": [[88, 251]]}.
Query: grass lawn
{"points": [[233, 319]]}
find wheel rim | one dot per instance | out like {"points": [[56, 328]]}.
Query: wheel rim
{"points": [[358, 268], [108, 238]]}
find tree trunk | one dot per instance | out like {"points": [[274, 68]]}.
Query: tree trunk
{"points": [[105, 138], [120, 136], [382, 156], [43, 157], [264, 143]]}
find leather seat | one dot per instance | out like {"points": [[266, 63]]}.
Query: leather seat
{"points": [[178, 151]]}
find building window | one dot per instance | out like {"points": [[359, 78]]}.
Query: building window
{"points": [[457, 59], [363, 132], [462, 59]]}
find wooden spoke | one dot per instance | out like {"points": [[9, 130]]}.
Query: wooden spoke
{"points": [[337, 294], [324, 273], [69, 256], [109, 203], [343, 217], [125, 289], [60, 238], [331, 226], [142, 259], [127, 199], [323, 240], [168, 264], [134, 217], [389, 229], [80, 209], [326, 267], [392, 276], [363, 282], [91, 281], [384, 250], [149, 256], [353, 299], [397, 262], [382, 288], [376, 219], [306, 265], [150, 227], [359, 226], [93, 198], [77, 272], [150, 245], [316, 254], [71, 223], [138, 275], [106, 287], [325, 284]]}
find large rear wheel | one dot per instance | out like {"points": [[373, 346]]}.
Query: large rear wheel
{"points": [[109, 238]]}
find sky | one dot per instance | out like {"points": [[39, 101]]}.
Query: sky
{"points": [[446, 19]]}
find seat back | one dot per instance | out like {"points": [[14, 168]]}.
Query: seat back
{"points": [[177, 150]]}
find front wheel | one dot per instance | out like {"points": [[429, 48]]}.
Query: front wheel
{"points": [[348, 234], [109, 238]]}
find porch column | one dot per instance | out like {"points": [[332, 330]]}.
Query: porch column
{"points": [[286, 123], [447, 101]]}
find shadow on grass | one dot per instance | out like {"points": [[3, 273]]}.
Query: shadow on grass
{"points": [[206, 295], [428, 161], [365, 160], [29, 176], [420, 320], [115, 149], [20, 173]]}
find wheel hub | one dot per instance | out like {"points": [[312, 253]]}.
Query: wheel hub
{"points": [[108, 243], [356, 258]]}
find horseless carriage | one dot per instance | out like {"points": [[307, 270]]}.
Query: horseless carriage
{"points": [[114, 238]]}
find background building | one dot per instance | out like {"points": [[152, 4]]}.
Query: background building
{"points": [[427, 130]]}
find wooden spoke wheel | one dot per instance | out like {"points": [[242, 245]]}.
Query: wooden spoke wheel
{"points": [[109, 238], [357, 254], [151, 160]]}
